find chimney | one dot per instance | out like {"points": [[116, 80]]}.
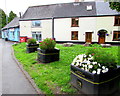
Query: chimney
{"points": [[79, 0]]}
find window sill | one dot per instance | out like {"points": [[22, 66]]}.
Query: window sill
{"points": [[116, 40], [116, 25], [74, 26], [74, 39], [36, 27]]}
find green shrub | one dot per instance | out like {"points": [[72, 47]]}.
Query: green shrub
{"points": [[31, 41], [103, 57], [47, 43]]}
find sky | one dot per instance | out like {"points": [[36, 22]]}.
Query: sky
{"points": [[21, 5]]}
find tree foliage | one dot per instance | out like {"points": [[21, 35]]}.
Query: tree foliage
{"points": [[11, 16], [115, 6], [2, 18]]}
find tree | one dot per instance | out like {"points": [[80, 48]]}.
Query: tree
{"points": [[115, 6], [2, 18], [11, 16]]}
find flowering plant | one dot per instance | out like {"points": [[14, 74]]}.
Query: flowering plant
{"points": [[95, 61], [47, 43], [31, 41]]}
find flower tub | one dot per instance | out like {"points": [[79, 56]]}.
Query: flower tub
{"points": [[91, 77], [47, 52], [47, 56], [89, 83], [31, 45]]}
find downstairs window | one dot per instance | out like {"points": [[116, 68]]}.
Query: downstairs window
{"points": [[116, 36]]}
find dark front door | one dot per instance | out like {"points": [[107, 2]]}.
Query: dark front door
{"points": [[88, 37], [101, 38]]}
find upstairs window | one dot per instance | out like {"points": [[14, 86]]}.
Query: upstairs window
{"points": [[75, 22], [117, 21], [36, 24], [116, 35]]}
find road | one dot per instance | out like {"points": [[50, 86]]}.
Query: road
{"points": [[13, 80]]}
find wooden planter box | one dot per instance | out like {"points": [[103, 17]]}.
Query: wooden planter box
{"points": [[88, 83], [47, 56], [31, 47]]}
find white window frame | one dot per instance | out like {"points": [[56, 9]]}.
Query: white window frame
{"points": [[34, 23], [38, 36]]}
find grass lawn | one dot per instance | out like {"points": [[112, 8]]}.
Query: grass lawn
{"points": [[53, 78]]}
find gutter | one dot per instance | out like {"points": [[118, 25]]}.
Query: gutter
{"points": [[53, 28], [59, 17]]}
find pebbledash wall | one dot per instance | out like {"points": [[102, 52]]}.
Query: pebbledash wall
{"points": [[63, 29], [45, 28]]}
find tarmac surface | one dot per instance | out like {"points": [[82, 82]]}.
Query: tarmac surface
{"points": [[13, 80]]}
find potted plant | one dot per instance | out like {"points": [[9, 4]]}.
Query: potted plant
{"points": [[95, 72], [31, 45], [47, 52]]}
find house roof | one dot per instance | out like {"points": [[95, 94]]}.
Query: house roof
{"points": [[13, 23], [68, 10]]}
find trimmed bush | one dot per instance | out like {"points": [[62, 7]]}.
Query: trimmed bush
{"points": [[31, 41], [47, 44]]}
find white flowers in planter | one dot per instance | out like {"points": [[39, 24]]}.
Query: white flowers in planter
{"points": [[88, 64]]}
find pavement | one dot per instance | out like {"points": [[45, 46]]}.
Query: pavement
{"points": [[13, 80]]}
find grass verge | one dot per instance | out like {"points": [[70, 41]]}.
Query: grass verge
{"points": [[53, 78]]}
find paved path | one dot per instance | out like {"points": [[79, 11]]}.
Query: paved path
{"points": [[13, 80]]}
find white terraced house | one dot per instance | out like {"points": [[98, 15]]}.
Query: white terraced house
{"points": [[79, 22]]}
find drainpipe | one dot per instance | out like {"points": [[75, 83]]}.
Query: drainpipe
{"points": [[53, 28]]}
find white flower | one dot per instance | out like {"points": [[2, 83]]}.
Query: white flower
{"points": [[88, 62], [90, 55], [82, 68], [103, 67], [90, 59], [85, 60], [106, 69], [94, 63], [94, 72], [80, 57], [84, 55], [98, 71], [86, 69], [85, 66], [77, 64], [90, 66], [99, 65], [80, 64]]}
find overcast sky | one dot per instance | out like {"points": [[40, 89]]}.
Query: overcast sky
{"points": [[21, 5]]}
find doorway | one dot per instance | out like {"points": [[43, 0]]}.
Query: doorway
{"points": [[88, 37], [101, 39]]}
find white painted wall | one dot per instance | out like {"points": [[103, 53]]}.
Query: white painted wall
{"points": [[63, 28], [107, 23], [26, 28]]}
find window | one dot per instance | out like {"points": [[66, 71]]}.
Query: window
{"points": [[117, 20], [13, 34], [116, 35], [75, 22], [36, 23], [37, 36], [74, 35]]}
